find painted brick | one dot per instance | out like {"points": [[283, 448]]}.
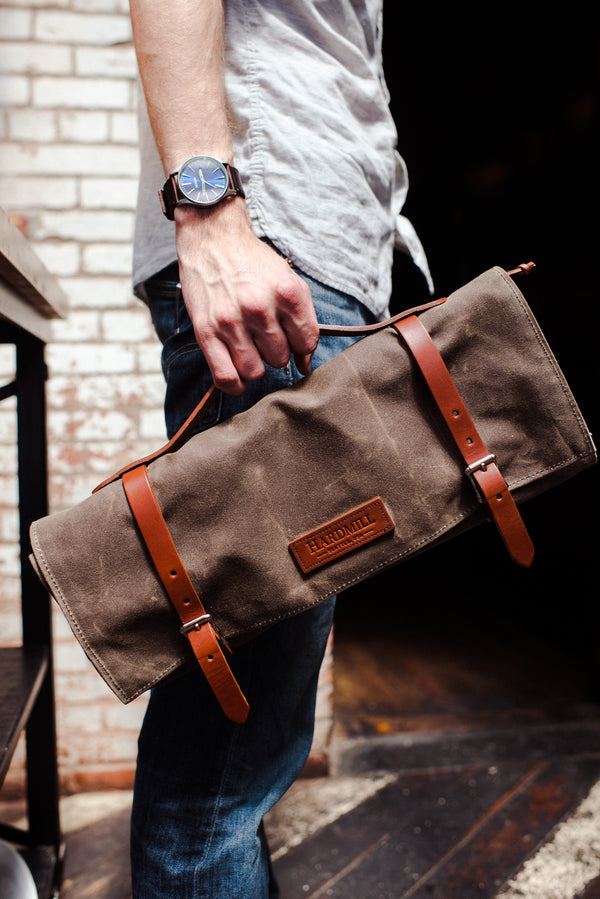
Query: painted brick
{"points": [[97, 159], [105, 459], [83, 126], [62, 258], [152, 425], [89, 359], [125, 717], [14, 90], [95, 6], [9, 560], [70, 657], [109, 193], [60, 625], [9, 524], [68, 490], [90, 424], [148, 356], [127, 324], [23, 194], [106, 62], [36, 59], [81, 28], [117, 747], [8, 466], [10, 628], [106, 392], [79, 325], [81, 93], [85, 226], [107, 258], [67, 458], [32, 125], [9, 491], [8, 420], [15, 24], [81, 686], [124, 128], [96, 292], [7, 359], [82, 719]]}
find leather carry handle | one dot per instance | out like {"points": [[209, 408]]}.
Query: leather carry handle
{"points": [[325, 331], [212, 393], [196, 622]]}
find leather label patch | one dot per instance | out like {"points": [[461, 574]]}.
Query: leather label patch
{"points": [[342, 535]]}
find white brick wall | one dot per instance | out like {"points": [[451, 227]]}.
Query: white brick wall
{"points": [[68, 124]]}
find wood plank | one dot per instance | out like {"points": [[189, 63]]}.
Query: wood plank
{"points": [[438, 835], [21, 268], [97, 861], [486, 859], [394, 839], [592, 891]]}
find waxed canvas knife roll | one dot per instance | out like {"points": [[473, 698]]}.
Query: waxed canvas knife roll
{"points": [[362, 426]]}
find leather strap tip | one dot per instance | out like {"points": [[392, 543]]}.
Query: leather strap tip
{"points": [[523, 555], [239, 716]]}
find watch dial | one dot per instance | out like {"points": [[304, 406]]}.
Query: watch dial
{"points": [[203, 180]]}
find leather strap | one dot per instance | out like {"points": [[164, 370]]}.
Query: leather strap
{"points": [[212, 393], [175, 579], [482, 468]]}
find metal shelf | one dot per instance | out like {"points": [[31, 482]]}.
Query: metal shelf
{"points": [[28, 298]]}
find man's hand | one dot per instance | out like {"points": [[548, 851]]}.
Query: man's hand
{"points": [[246, 304]]}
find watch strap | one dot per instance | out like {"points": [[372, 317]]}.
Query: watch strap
{"points": [[170, 195]]}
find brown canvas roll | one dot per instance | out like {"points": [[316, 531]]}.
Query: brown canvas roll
{"points": [[357, 446]]}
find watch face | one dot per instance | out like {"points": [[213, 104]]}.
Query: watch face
{"points": [[203, 180]]}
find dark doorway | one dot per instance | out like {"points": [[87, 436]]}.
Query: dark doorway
{"points": [[499, 129]]}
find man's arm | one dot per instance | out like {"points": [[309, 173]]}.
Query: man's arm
{"points": [[245, 302]]}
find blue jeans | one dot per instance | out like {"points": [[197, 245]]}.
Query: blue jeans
{"points": [[203, 783]]}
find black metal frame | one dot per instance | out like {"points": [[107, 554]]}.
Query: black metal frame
{"points": [[29, 703]]}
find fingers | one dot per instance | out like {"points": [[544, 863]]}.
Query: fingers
{"points": [[248, 321]]}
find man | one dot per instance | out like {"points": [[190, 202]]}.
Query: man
{"points": [[291, 94]]}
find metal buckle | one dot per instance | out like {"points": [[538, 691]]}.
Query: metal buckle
{"points": [[196, 624], [480, 465]]}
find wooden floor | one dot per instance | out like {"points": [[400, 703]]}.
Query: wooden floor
{"points": [[477, 707]]}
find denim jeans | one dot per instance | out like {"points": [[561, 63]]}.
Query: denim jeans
{"points": [[203, 783]]}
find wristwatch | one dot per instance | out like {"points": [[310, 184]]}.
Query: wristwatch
{"points": [[201, 181]]}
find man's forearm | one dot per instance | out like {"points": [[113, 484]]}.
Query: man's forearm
{"points": [[246, 305], [179, 46]]}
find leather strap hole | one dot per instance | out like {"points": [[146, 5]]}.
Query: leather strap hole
{"points": [[173, 573], [186, 601], [469, 440], [455, 413], [210, 658]]}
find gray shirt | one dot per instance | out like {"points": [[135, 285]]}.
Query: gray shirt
{"points": [[314, 141]]}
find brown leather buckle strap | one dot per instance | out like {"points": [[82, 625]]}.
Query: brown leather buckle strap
{"points": [[175, 579], [481, 464]]}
